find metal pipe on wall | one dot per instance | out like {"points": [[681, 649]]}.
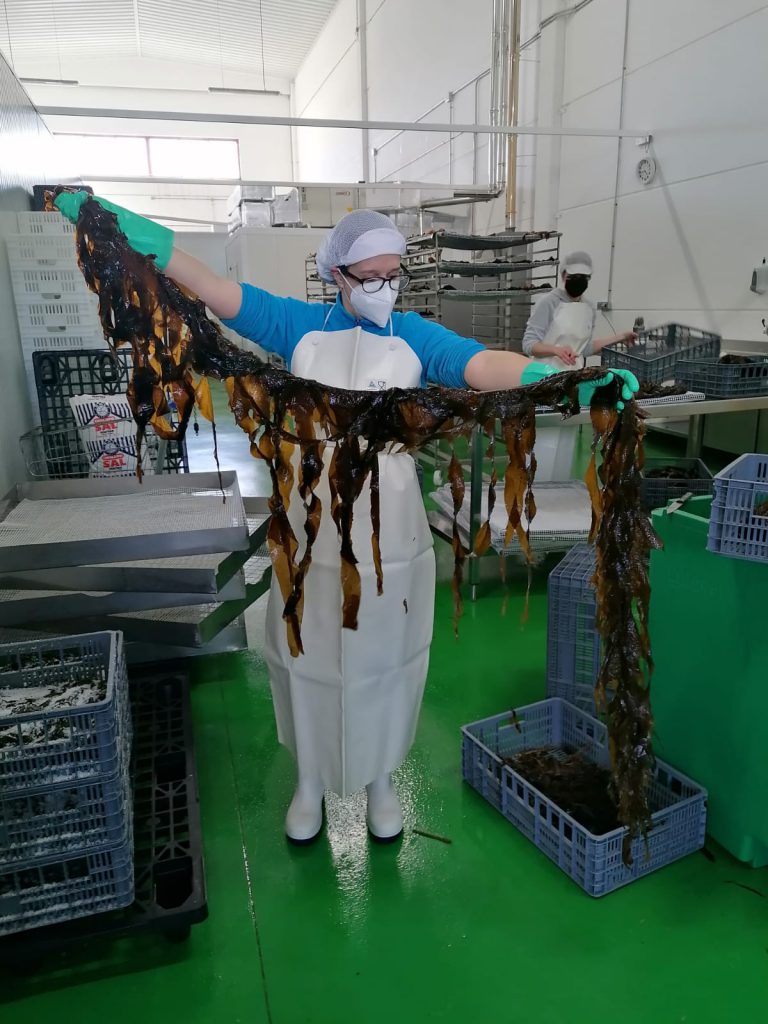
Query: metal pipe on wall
{"points": [[362, 38], [512, 115]]}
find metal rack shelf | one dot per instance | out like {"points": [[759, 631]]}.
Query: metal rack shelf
{"points": [[499, 279]]}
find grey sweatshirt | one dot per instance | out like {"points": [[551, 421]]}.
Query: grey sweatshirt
{"points": [[543, 314]]}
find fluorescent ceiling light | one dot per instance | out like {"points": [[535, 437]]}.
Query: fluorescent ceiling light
{"points": [[49, 81], [248, 92]]}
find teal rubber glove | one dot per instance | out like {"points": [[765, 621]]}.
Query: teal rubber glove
{"points": [[538, 371], [144, 235]]}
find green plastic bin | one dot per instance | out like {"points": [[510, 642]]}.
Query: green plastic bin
{"points": [[709, 635]]}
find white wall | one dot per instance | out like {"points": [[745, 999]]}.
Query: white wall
{"points": [[265, 151], [418, 53], [26, 157], [328, 85], [695, 77]]}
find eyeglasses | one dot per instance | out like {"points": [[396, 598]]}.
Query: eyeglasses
{"points": [[372, 285]]}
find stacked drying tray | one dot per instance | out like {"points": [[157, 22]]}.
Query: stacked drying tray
{"points": [[162, 561]]}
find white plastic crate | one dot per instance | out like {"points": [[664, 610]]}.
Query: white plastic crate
{"points": [[47, 338], [39, 223], [28, 251], [40, 284], [42, 317]]}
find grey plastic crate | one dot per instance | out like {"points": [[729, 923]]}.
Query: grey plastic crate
{"points": [[593, 862], [736, 528], [573, 643], [39, 749], [655, 356], [44, 894], [66, 820], [724, 380], [656, 492]]}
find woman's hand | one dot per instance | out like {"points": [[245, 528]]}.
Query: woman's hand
{"points": [[566, 354]]}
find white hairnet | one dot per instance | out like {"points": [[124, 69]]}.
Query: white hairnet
{"points": [[359, 235]]}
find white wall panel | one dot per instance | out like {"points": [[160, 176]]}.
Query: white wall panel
{"points": [[705, 104], [693, 245], [589, 163], [594, 40], [658, 27]]}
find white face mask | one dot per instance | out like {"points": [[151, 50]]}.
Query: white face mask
{"points": [[374, 306]]}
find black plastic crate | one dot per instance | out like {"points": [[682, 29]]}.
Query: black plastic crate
{"points": [[168, 856], [656, 492], [724, 380], [657, 352], [60, 375]]}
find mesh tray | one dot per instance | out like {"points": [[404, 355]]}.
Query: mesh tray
{"points": [[594, 862], [573, 642], [62, 374], [655, 356], [79, 887], [169, 880], [655, 492], [43, 748], [65, 821], [724, 380]]}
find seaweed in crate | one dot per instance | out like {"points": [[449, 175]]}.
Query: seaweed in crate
{"points": [[303, 429]]}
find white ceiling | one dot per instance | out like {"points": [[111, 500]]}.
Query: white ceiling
{"points": [[46, 38]]}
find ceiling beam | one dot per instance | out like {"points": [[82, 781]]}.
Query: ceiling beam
{"points": [[313, 122]]}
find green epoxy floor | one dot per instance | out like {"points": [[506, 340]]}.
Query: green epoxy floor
{"points": [[484, 929]]}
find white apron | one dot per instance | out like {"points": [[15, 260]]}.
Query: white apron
{"points": [[348, 707], [571, 325], [556, 446]]}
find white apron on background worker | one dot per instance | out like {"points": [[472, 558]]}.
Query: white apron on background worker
{"points": [[348, 707], [572, 327]]}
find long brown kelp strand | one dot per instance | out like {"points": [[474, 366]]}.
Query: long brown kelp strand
{"points": [[302, 429]]}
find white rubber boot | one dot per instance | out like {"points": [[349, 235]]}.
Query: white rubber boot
{"points": [[385, 816], [304, 820]]}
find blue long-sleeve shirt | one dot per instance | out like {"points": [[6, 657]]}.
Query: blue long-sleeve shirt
{"points": [[278, 324]]}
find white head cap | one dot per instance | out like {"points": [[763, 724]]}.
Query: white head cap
{"points": [[358, 236], [578, 263]]}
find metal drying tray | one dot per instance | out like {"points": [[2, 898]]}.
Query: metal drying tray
{"points": [[81, 522], [232, 638], [180, 626], [452, 240], [33, 607], [205, 575]]}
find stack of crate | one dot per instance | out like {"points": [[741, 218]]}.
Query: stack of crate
{"points": [[54, 308], [66, 825]]}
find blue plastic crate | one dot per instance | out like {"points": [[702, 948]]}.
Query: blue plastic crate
{"points": [[62, 821], [678, 804], [741, 492], [50, 893], [44, 748], [657, 352], [573, 643]]}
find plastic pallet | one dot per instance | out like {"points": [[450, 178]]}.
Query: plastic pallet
{"points": [[26, 251], [655, 356], [679, 805], [76, 888], [69, 745], [735, 528], [40, 284], [724, 380], [61, 375], [656, 492], [75, 315], [573, 643], [169, 878], [45, 223]]}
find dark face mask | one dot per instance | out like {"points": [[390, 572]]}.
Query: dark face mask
{"points": [[576, 284]]}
